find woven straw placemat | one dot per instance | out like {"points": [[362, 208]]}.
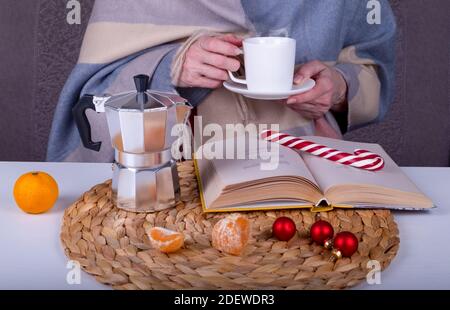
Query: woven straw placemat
{"points": [[113, 246]]}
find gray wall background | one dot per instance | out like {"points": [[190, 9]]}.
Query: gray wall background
{"points": [[38, 50]]}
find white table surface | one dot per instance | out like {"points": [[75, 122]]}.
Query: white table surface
{"points": [[31, 256]]}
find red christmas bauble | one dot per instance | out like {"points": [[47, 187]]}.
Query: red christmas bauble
{"points": [[284, 228], [321, 231], [346, 242]]}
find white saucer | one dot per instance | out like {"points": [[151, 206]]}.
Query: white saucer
{"points": [[242, 89]]}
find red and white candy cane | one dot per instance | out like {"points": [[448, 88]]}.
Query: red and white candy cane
{"points": [[359, 159]]}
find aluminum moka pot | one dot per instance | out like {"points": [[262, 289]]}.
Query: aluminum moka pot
{"points": [[140, 123]]}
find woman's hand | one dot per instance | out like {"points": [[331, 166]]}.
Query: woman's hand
{"points": [[329, 93], [208, 59]]}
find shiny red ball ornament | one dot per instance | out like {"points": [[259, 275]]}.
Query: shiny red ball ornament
{"points": [[284, 228], [321, 231], [346, 243]]}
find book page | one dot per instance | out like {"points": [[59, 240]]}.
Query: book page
{"points": [[217, 174], [233, 171], [329, 174]]}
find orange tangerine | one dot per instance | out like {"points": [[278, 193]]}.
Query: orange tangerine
{"points": [[165, 240], [231, 234], [35, 192]]}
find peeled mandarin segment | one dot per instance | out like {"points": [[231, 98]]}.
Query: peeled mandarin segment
{"points": [[165, 240], [231, 234], [173, 246]]}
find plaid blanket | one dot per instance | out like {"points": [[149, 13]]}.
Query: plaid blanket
{"points": [[127, 37]]}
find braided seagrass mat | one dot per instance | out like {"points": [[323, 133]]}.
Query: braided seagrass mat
{"points": [[112, 245]]}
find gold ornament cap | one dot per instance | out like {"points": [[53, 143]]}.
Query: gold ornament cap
{"points": [[328, 244], [335, 255]]}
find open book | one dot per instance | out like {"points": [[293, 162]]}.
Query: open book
{"points": [[302, 180]]}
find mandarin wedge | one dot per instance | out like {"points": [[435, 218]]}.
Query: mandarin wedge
{"points": [[165, 240]]}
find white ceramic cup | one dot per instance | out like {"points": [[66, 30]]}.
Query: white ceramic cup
{"points": [[269, 64]]}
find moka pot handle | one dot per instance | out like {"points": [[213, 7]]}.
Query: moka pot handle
{"points": [[84, 128]]}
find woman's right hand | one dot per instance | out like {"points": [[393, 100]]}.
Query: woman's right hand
{"points": [[208, 59]]}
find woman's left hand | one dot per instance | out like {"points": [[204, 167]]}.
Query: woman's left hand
{"points": [[329, 93]]}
